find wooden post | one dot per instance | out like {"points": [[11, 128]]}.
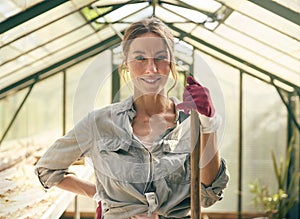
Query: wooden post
{"points": [[195, 165]]}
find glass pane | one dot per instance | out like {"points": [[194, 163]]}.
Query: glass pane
{"points": [[120, 13], [71, 49], [255, 46], [264, 130], [209, 6], [15, 65], [269, 18], [35, 123], [90, 88], [7, 53], [261, 32], [49, 32], [74, 75], [168, 16], [228, 79], [8, 107], [227, 59], [69, 39], [289, 73], [10, 8], [190, 14], [37, 22], [138, 15]]}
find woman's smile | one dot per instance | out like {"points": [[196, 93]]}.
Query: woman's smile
{"points": [[150, 80]]}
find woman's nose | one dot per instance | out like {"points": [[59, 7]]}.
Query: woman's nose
{"points": [[151, 66]]}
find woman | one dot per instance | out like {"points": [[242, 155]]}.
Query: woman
{"points": [[140, 147]]}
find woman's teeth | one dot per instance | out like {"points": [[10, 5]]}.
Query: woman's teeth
{"points": [[151, 81]]}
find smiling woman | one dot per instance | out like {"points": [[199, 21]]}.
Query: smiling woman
{"points": [[140, 147], [148, 62]]}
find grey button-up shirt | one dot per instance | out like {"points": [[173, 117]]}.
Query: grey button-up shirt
{"points": [[131, 179]]}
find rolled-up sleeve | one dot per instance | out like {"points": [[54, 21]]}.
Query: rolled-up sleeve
{"points": [[214, 192], [54, 164]]}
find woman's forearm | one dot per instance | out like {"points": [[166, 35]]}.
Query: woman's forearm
{"points": [[72, 183], [210, 159]]}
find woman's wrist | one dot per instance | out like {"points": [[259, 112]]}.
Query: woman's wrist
{"points": [[209, 124]]}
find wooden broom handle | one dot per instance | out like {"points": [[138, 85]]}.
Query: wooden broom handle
{"points": [[195, 165]]}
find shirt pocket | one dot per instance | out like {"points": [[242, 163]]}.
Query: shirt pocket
{"points": [[176, 163], [180, 174], [112, 144], [117, 161]]}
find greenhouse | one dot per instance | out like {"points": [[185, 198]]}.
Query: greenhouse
{"points": [[60, 60]]}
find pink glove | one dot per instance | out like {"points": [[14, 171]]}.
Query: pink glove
{"points": [[196, 97]]}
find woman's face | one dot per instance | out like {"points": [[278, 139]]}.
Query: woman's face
{"points": [[148, 62]]}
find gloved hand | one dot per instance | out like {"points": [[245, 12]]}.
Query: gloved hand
{"points": [[196, 97]]}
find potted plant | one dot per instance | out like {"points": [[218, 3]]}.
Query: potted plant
{"points": [[277, 205]]}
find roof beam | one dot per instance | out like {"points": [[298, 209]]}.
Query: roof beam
{"points": [[279, 10], [28, 14]]}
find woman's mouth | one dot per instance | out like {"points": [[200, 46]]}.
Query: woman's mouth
{"points": [[151, 80]]}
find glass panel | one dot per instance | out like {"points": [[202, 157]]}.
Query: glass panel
{"points": [[289, 73], [280, 56], [228, 79], [187, 27], [269, 18], [120, 13], [261, 32], [37, 22], [72, 49], [139, 15], [69, 39], [74, 75], [264, 130], [7, 53], [168, 16], [8, 107], [226, 59], [209, 6], [192, 15], [21, 73], [49, 32], [15, 65], [184, 51], [105, 33], [90, 88], [33, 124], [26, 65], [10, 8]]}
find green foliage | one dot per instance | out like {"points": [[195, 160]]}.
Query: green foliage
{"points": [[94, 13], [278, 204]]}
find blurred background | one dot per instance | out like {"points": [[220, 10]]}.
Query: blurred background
{"points": [[59, 60]]}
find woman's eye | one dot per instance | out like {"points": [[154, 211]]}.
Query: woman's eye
{"points": [[140, 58], [159, 58]]}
